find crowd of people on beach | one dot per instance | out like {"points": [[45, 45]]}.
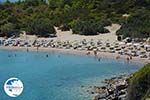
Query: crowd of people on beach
{"points": [[141, 50]]}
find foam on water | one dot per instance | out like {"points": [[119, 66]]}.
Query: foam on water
{"points": [[58, 76]]}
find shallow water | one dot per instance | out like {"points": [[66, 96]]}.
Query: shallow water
{"points": [[58, 76], [9, 0]]}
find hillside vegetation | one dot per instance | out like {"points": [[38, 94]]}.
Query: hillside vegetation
{"points": [[85, 17], [139, 88]]}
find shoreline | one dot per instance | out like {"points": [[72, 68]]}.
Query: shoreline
{"points": [[77, 52]]}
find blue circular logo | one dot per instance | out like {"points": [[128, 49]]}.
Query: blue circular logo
{"points": [[13, 87]]}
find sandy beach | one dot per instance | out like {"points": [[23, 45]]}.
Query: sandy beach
{"points": [[67, 36], [77, 52]]}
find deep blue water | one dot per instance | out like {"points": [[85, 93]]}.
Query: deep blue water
{"points": [[58, 77]]}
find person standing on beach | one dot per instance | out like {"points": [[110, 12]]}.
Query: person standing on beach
{"points": [[130, 57], [27, 49], [88, 53], [95, 52], [37, 49], [118, 57]]}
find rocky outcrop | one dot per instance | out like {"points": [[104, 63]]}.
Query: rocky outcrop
{"points": [[125, 87], [114, 89]]}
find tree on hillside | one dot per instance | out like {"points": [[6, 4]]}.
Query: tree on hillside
{"points": [[8, 30], [68, 12], [34, 2], [137, 25], [41, 27], [88, 28]]}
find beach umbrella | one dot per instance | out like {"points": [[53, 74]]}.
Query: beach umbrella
{"points": [[129, 44], [121, 43]]}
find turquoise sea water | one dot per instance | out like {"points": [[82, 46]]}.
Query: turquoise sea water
{"points": [[9, 0], [58, 77]]}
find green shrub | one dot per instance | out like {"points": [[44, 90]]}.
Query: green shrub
{"points": [[41, 27], [139, 88], [69, 12], [136, 26], [89, 28], [8, 30]]}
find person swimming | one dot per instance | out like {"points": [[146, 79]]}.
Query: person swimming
{"points": [[47, 55], [99, 59], [9, 55]]}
